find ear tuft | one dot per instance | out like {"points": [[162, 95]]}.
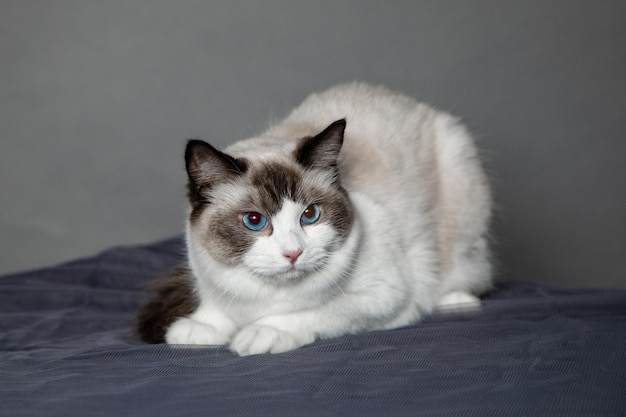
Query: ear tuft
{"points": [[206, 166], [322, 150]]}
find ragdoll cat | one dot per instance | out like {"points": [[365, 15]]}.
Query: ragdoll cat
{"points": [[362, 210]]}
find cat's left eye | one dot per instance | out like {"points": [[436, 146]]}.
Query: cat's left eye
{"points": [[254, 221], [310, 214]]}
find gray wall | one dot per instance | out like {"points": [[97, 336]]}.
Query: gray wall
{"points": [[97, 99]]}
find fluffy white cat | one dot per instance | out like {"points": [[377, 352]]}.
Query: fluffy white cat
{"points": [[362, 210]]}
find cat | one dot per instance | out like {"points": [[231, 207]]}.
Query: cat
{"points": [[362, 210]]}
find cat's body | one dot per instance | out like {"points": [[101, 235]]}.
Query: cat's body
{"points": [[366, 223]]}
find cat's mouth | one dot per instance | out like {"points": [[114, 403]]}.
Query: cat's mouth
{"points": [[287, 275]]}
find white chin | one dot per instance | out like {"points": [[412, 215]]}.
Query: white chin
{"points": [[283, 275]]}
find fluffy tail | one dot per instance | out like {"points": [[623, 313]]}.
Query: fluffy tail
{"points": [[174, 298]]}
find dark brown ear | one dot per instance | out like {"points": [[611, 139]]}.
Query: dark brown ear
{"points": [[322, 151], [206, 167]]}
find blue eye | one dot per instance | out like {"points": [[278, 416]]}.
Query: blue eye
{"points": [[310, 214], [254, 221]]}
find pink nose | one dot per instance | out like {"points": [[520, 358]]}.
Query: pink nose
{"points": [[292, 255]]}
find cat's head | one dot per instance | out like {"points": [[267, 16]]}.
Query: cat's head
{"points": [[278, 218]]}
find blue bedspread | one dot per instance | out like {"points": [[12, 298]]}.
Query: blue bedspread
{"points": [[65, 351]]}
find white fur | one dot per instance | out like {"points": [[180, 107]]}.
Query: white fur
{"points": [[266, 255], [422, 208]]}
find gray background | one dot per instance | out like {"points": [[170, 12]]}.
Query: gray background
{"points": [[97, 99]]}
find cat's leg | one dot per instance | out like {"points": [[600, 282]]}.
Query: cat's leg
{"points": [[274, 334], [207, 326], [349, 315], [267, 338], [186, 331], [458, 301], [376, 305], [468, 273]]}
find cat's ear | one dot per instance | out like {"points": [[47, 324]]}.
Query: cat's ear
{"points": [[206, 166], [322, 150]]}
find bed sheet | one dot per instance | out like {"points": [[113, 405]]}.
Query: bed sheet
{"points": [[66, 350]]}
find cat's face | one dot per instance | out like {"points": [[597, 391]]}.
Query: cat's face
{"points": [[279, 220]]}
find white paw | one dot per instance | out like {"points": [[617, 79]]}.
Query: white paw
{"points": [[190, 332], [257, 339], [458, 301]]}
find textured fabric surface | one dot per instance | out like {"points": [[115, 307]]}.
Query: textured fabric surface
{"points": [[532, 350]]}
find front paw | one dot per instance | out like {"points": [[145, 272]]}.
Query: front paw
{"points": [[257, 339], [186, 331]]}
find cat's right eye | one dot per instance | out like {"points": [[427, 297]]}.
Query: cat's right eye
{"points": [[254, 221], [310, 214]]}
